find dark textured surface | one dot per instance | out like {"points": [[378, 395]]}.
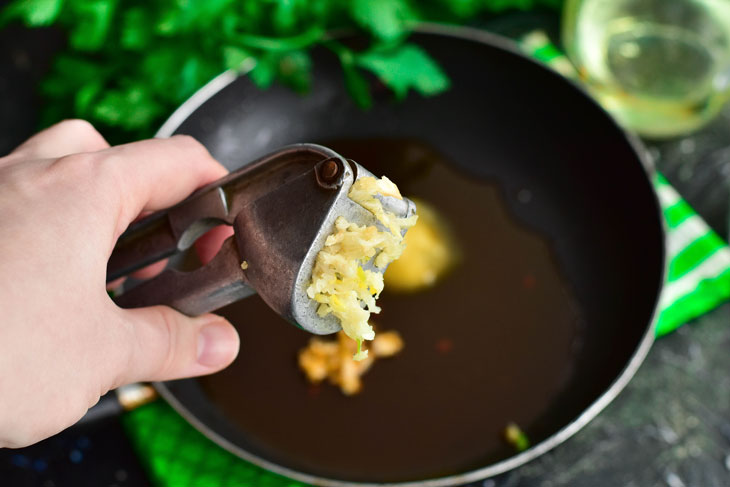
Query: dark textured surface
{"points": [[94, 454], [670, 427], [698, 165]]}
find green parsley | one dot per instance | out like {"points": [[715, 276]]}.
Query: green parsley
{"points": [[129, 63]]}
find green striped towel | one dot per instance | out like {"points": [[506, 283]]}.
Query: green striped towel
{"points": [[698, 278]]}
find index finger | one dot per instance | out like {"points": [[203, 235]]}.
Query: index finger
{"points": [[154, 174], [64, 138]]}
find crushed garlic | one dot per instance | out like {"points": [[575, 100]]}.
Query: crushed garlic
{"points": [[339, 283], [327, 359]]}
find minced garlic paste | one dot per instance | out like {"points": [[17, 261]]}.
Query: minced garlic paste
{"points": [[339, 282]]}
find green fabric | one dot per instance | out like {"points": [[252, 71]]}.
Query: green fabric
{"points": [[698, 276], [677, 213], [698, 280], [691, 256], [177, 455]]}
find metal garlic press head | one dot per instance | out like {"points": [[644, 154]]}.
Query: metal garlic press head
{"points": [[282, 207]]}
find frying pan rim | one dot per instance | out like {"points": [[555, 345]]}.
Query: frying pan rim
{"points": [[214, 86]]}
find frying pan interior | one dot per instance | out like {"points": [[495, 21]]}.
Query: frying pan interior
{"points": [[560, 166]]}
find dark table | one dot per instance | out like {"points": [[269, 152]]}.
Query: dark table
{"points": [[669, 427]]}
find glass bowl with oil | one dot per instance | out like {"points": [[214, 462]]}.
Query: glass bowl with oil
{"points": [[661, 67]]}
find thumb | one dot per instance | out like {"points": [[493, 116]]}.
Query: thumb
{"points": [[169, 345]]}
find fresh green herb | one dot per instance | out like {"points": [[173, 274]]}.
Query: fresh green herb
{"points": [[405, 67], [385, 19], [355, 83], [516, 437], [129, 63], [33, 13]]}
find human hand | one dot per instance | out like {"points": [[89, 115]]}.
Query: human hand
{"points": [[65, 197]]}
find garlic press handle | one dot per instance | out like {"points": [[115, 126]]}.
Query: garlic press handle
{"points": [[165, 233], [218, 283]]}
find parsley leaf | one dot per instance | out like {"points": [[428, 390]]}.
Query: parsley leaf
{"points": [[33, 13], [264, 72], [92, 21], [357, 86], [405, 67], [295, 70], [128, 108], [386, 19], [237, 58], [136, 31]]}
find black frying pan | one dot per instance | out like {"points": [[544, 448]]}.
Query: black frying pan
{"points": [[544, 321]]}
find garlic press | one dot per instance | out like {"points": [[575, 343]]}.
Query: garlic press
{"points": [[282, 207]]}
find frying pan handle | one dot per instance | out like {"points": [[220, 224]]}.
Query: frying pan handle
{"points": [[216, 284], [115, 402]]}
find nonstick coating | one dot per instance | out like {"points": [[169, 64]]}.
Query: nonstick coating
{"points": [[519, 125]]}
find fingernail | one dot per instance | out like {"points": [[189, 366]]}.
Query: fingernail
{"points": [[217, 344]]}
